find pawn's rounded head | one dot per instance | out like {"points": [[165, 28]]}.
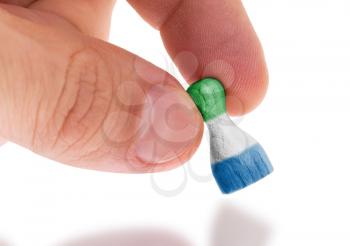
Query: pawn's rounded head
{"points": [[209, 96]]}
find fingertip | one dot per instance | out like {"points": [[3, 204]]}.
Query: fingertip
{"points": [[174, 129], [248, 91], [218, 41]]}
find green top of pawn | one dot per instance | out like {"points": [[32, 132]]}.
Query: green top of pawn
{"points": [[209, 96]]}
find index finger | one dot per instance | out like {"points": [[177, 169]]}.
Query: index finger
{"points": [[212, 39]]}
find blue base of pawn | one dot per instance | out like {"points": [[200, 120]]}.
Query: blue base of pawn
{"points": [[239, 171]]}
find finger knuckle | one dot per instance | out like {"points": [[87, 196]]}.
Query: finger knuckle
{"points": [[83, 103]]}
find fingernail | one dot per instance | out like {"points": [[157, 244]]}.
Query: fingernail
{"points": [[173, 126]]}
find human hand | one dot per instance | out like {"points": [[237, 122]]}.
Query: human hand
{"points": [[67, 94]]}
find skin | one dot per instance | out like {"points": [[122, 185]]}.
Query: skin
{"points": [[68, 94]]}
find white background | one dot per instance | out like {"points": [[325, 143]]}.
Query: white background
{"points": [[303, 124]]}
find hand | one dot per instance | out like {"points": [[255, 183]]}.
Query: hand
{"points": [[67, 94]]}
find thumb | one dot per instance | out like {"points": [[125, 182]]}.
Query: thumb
{"points": [[87, 103]]}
